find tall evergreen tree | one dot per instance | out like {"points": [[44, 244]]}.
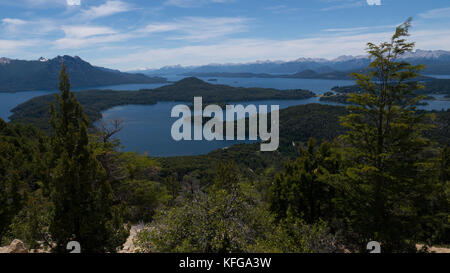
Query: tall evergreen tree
{"points": [[385, 144], [78, 185]]}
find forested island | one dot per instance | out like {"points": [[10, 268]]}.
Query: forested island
{"points": [[36, 111]]}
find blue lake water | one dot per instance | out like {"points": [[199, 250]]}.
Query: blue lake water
{"points": [[10, 100], [147, 127], [439, 76], [439, 104]]}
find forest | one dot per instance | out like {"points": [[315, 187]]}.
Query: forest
{"points": [[376, 170]]}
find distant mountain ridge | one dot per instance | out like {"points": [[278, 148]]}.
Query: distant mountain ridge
{"points": [[436, 61], [305, 74], [42, 74]]}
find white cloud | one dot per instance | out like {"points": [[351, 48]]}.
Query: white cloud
{"points": [[193, 3], [19, 27], [107, 9], [374, 2], [199, 28], [88, 41], [37, 3], [88, 37], [247, 50], [436, 13], [12, 24], [279, 9], [73, 2], [359, 29], [86, 31], [12, 46]]}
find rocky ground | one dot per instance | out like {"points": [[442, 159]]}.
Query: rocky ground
{"points": [[18, 246], [129, 246]]}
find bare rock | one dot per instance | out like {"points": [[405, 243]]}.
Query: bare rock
{"points": [[17, 246], [129, 246]]}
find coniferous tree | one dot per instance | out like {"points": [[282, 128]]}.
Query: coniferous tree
{"points": [[387, 176], [78, 186]]}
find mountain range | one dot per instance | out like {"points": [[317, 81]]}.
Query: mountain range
{"points": [[42, 74], [437, 63]]}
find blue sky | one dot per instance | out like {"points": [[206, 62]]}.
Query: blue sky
{"points": [[137, 34]]}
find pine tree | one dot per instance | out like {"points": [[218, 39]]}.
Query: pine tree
{"points": [[78, 185], [385, 144]]}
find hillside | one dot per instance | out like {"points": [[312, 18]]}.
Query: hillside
{"points": [[20, 75]]}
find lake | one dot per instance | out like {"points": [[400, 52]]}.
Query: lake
{"points": [[147, 127], [10, 100], [439, 76]]}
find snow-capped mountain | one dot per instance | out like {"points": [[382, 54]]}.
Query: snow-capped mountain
{"points": [[5, 60], [427, 54], [437, 62]]}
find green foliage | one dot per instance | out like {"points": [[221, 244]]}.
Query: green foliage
{"points": [[32, 222], [385, 176], [435, 212], [250, 160], [79, 190], [20, 164], [142, 198], [302, 190], [138, 166], [293, 235], [130, 174], [224, 218]]}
